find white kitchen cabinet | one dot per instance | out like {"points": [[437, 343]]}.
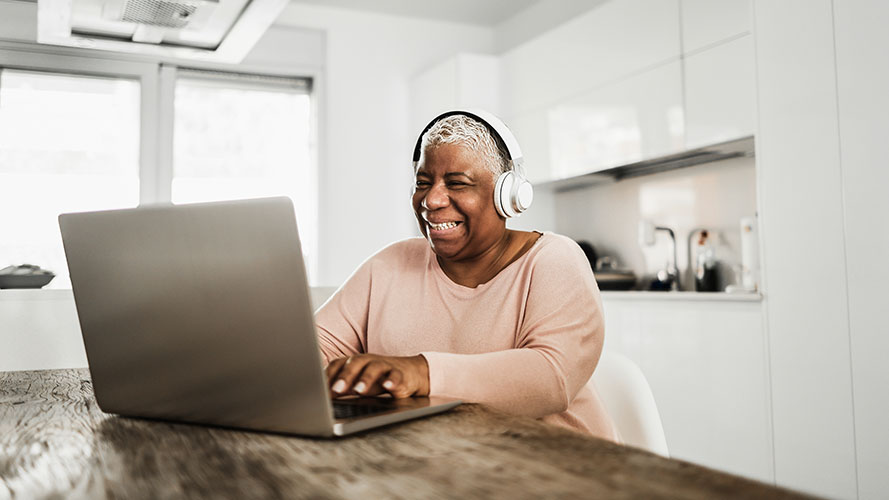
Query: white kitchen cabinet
{"points": [[706, 364], [461, 81], [636, 118], [862, 43], [708, 22], [720, 93], [633, 119], [803, 228], [609, 42]]}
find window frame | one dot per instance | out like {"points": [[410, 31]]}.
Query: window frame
{"points": [[157, 79], [144, 73]]}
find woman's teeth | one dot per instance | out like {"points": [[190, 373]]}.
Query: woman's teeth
{"points": [[443, 226]]}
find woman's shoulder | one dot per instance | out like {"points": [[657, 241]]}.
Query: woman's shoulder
{"points": [[399, 253], [416, 245], [554, 245], [558, 252]]}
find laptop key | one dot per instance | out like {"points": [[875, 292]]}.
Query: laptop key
{"points": [[343, 409]]}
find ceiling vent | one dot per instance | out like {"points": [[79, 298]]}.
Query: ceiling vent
{"points": [[210, 30]]}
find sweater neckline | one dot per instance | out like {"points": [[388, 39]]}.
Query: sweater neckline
{"points": [[466, 289]]}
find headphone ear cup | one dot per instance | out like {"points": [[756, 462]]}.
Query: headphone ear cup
{"points": [[524, 195], [502, 194], [512, 194]]}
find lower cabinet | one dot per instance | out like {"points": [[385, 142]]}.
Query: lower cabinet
{"points": [[706, 363]]}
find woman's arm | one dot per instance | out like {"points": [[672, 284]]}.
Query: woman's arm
{"points": [[341, 323]]}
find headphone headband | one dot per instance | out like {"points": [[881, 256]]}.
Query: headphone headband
{"points": [[494, 125]]}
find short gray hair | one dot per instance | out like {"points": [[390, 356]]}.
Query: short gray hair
{"points": [[472, 134]]}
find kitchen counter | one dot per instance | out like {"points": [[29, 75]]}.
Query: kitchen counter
{"points": [[56, 443], [682, 296]]}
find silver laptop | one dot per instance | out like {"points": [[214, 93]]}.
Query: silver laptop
{"points": [[201, 313]]}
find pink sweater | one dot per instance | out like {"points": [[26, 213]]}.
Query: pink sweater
{"points": [[525, 342]]}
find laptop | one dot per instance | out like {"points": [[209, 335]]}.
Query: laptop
{"points": [[201, 313]]}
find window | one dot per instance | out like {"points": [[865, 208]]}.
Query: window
{"points": [[245, 137], [67, 143], [81, 134]]}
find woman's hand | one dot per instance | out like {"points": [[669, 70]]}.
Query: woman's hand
{"points": [[372, 375]]}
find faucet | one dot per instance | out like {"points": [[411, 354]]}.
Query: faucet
{"points": [[647, 238]]}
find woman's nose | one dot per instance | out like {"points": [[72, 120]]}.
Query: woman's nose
{"points": [[436, 197]]}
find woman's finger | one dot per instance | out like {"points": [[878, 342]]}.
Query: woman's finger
{"points": [[370, 377], [394, 385], [333, 368], [349, 372]]}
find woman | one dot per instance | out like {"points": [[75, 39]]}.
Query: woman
{"points": [[472, 310]]}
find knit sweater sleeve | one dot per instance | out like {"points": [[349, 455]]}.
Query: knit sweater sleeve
{"points": [[341, 323]]}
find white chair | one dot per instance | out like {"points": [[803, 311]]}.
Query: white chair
{"points": [[622, 387]]}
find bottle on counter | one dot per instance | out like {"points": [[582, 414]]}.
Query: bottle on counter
{"points": [[705, 264]]}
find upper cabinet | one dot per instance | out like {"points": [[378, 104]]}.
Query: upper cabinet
{"points": [[601, 90], [625, 82], [718, 64], [710, 22], [622, 122], [720, 86], [611, 41]]}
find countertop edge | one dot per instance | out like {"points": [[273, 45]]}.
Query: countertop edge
{"points": [[683, 296]]}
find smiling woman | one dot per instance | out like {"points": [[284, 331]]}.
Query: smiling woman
{"points": [[473, 310]]}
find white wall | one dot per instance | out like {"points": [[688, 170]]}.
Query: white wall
{"points": [[365, 171]]}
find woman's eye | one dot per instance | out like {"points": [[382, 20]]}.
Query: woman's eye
{"points": [[456, 184], [421, 184]]}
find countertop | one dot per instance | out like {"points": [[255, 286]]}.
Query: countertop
{"points": [[690, 296], [55, 442]]}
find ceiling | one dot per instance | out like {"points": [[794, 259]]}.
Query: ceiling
{"points": [[479, 12]]}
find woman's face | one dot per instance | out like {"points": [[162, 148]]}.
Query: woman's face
{"points": [[454, 202]]}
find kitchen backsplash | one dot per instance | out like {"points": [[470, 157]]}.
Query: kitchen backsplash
{"points": [[714, 196]]}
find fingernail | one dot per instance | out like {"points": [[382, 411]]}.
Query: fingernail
{"points": [[339, 386], [388, 384], [359, 387]]}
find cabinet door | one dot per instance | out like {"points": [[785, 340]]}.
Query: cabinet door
{"points": [[707, 368], [720, 88], [610, 41], [707, 22], [633, 119], [862, 43]]}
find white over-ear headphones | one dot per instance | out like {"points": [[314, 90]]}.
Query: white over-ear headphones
{"points": [[513, 194]]}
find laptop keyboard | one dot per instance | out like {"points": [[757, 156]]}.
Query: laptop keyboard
{"points": [[343, 409]]}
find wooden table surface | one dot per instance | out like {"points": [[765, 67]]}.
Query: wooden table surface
{"points": [[56, 443]]}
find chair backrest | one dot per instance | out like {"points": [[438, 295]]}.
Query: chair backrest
{"points": [[622, 387]]}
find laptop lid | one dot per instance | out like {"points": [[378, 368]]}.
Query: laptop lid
{"points": [[199, 313]]}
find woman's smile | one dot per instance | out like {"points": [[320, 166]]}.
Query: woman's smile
{"points": [[443, 228]]}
